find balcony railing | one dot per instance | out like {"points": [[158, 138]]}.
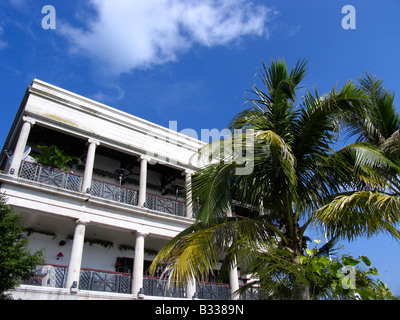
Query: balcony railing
{"points": [[90, 279], [114, 192], [158, 287], [97, 280], [166, 205], [50, 176], [108, 281], [71, 181], [48, 276], [213, 291], [254, 293]]}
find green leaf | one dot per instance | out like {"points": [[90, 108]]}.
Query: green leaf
{"points": [[374, 271], [366, 260], [324, 260], [309, 252], [335, 269], [317, 266], [350, 261], [303, 260]]}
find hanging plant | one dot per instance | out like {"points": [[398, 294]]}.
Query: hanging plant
{"points": [[150, 252], [47, 233], [124, 247], [104, 243]]}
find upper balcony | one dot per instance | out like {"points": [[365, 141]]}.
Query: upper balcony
{"points": [[110, 173], [122, 158], [106, 190]]}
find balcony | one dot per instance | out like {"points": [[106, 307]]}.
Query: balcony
{"points": [[105, 190], [106, 281]]}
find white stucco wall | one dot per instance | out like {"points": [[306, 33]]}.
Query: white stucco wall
{"points": [[94, 256]]}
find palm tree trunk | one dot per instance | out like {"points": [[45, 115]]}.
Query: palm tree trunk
{"points": [[301, 290]]}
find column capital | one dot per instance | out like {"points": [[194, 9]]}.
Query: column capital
{"points": [[141, 234], [188, 172], [144, 157], [94, 141], [83, 221], [29, 120]]}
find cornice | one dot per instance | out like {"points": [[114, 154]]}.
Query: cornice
{"points": [[111, 114]]}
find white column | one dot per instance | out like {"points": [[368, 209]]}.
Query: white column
{"points": [[138, 262], [188, 185], [143, 181], [87, 176], [234, 282], [75, 262], [20, 147], [191, 288], [262, 209], [233, 273]]}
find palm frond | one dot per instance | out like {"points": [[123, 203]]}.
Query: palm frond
{"points": [[392, 144], [362, 213], [328, 248], [197, 250], [272, 108], [369, 164], [270, 162], [378, 119], [211, 191]]}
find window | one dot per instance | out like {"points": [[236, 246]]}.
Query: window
{"points": [[125, 265]]}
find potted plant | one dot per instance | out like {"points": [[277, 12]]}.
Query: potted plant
{"points": [[54, 157]]}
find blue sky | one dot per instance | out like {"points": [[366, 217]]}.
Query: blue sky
{"points": [[193, 62]]}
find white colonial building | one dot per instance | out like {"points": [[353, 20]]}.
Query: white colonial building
{"points": [[101, 221]]}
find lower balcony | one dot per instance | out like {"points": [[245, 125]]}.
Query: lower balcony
{"points": [[54, 276]]}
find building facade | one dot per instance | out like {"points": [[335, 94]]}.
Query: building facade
{"points": [[103, 218]]}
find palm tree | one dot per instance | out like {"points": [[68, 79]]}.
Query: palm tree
{"points": [[376, 127], [296, 179], [379, 123]]}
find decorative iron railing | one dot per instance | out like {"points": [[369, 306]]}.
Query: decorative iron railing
{"points": [[96, 280], [213, 291], [48, 276], [158, 287], [92, 280], [162, 204], [114, 192], [253, 293], [161, 287], [50, 176], [108, 281], [105, 190]]}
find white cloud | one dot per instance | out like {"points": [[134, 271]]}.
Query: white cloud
{"points": [[127, 34], [19, 4], [3, 44]]}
